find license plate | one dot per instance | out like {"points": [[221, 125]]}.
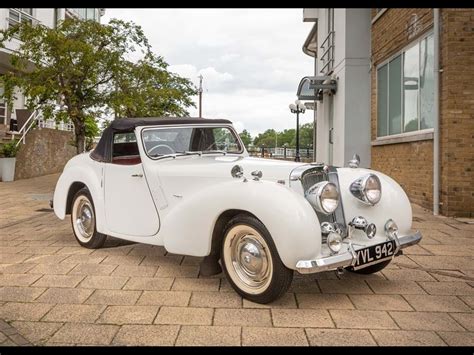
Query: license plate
{"points": [[374, 254]]}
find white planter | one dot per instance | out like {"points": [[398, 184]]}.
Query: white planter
{"points": [[8, 169]]}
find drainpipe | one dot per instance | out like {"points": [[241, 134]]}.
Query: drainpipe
{"points": [[436, 114]]}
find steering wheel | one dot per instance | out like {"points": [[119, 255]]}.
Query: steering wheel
{"points": [[161, 145]]}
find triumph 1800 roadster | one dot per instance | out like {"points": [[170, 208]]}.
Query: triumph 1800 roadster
{"points": [[189, 185]]}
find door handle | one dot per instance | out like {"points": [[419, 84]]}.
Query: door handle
{"points": [[137, 175]]}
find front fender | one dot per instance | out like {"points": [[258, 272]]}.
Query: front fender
{"points": [[91, 179], [187, 228]]}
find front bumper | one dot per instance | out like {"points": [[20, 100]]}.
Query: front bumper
{"points": [[348, 258]]}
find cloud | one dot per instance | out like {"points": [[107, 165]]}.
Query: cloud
{"points": [[251, 59]]}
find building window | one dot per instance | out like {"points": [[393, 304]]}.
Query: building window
{"points": [[16, 16], [405, 90]]}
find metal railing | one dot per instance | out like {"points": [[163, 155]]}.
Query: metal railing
{"points": [[280, 152], [328, 53], [36, 119]]}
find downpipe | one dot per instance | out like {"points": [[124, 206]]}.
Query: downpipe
{"points": [[436, 113]]}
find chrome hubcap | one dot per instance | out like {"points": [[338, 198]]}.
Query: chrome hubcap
{"points": [[84, 218], [250, 265]]}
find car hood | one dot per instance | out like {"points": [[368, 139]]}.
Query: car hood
{"points": [[213, 166]]}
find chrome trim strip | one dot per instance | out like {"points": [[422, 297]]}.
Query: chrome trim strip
{"points": [[349, 257]]}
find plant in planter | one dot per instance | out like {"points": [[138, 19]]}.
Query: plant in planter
{"points": [[9, 151]]}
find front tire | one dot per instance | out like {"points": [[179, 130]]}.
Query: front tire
{"points": [[251, 262], [83, 221]]}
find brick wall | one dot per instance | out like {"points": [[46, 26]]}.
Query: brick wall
{"points": [[410, 164], [46, 152], [457, 112]]}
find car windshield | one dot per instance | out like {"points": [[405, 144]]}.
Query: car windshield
{"points": [[189, 140]]}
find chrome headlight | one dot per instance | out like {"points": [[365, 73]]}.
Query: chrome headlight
{"points": [[368, 189], [323, 196], [334, 242]]}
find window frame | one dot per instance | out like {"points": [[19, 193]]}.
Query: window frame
{"points": [[230, 127], [400, 52]]}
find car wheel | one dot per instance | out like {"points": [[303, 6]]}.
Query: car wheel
{"points": [[372, 268], [84, 222], [251, 262]]}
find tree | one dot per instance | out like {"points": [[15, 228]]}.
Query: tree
{"points": [[246, 137], [83, 66], [268, 138]]}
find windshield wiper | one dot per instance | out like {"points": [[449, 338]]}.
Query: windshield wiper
{"points": [[215, 151]]}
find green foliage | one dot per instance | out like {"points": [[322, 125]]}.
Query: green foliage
{"points": [[83, 66], [9, 150], [246, 137], [287, 136]]}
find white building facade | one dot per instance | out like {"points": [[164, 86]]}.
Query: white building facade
{"points": [[340, 85], [46, 16]]}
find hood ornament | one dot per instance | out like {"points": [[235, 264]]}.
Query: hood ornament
{"points": [[355, 161]]}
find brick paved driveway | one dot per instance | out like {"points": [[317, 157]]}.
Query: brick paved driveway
{"points": [[52, 291]]}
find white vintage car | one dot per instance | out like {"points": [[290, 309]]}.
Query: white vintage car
{"points": [[189, 185]]}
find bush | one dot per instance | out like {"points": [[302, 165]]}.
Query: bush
{"points": [[10, 150]]}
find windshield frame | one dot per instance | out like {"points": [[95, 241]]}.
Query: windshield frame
{"points": [[174, 155]]}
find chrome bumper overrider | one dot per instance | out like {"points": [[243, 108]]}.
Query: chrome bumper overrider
{"points": [[348, 258]]}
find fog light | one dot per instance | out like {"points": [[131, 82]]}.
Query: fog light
{"points": [[391, 228], [370, 230], [334, 242]]}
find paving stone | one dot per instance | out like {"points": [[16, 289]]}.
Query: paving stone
{"points": [[425, 321], [149, 283], [458, 338], [189, 284], [129, 315], [408, 275], [156, 260], [451, 250], [243, 317], [13, 258], [123, 260], [46, 259], [447, 288], [407, 338], [132, 270], [286, 301], [165, 298], [177, 271], [192, 260], [51, 269], [93, 269], [65, 295], [74, 313], [304, 285], [78, 333], [437, 303], [344, 286], [449, 276], [209, 336], [59, 281], [83, 259], [362, 319], [469, 300], [20, 294], [15, 268], [24, 311], [263, 336], [397, 287], [323, 301], [74, 250], [147, 250], [381, 302], [40, 250], [18, 279], [216, 300], [465, 319], [104, 282], [301, 318], [184, 315], [114, 297], [147, 335], [444, 262], [339, 337]]}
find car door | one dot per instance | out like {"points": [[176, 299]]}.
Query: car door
{"points": [[129, 207]]}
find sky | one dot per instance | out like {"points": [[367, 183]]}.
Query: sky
{"points": [[251, 59]]}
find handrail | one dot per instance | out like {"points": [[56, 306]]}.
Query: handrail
{"points": [[27, 126]]}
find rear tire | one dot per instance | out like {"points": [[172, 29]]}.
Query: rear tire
{"points": [[251, 262], [372, 268], [84, 222]]}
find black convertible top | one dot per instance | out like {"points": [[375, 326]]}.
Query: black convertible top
{"points": [[103, 150]]}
